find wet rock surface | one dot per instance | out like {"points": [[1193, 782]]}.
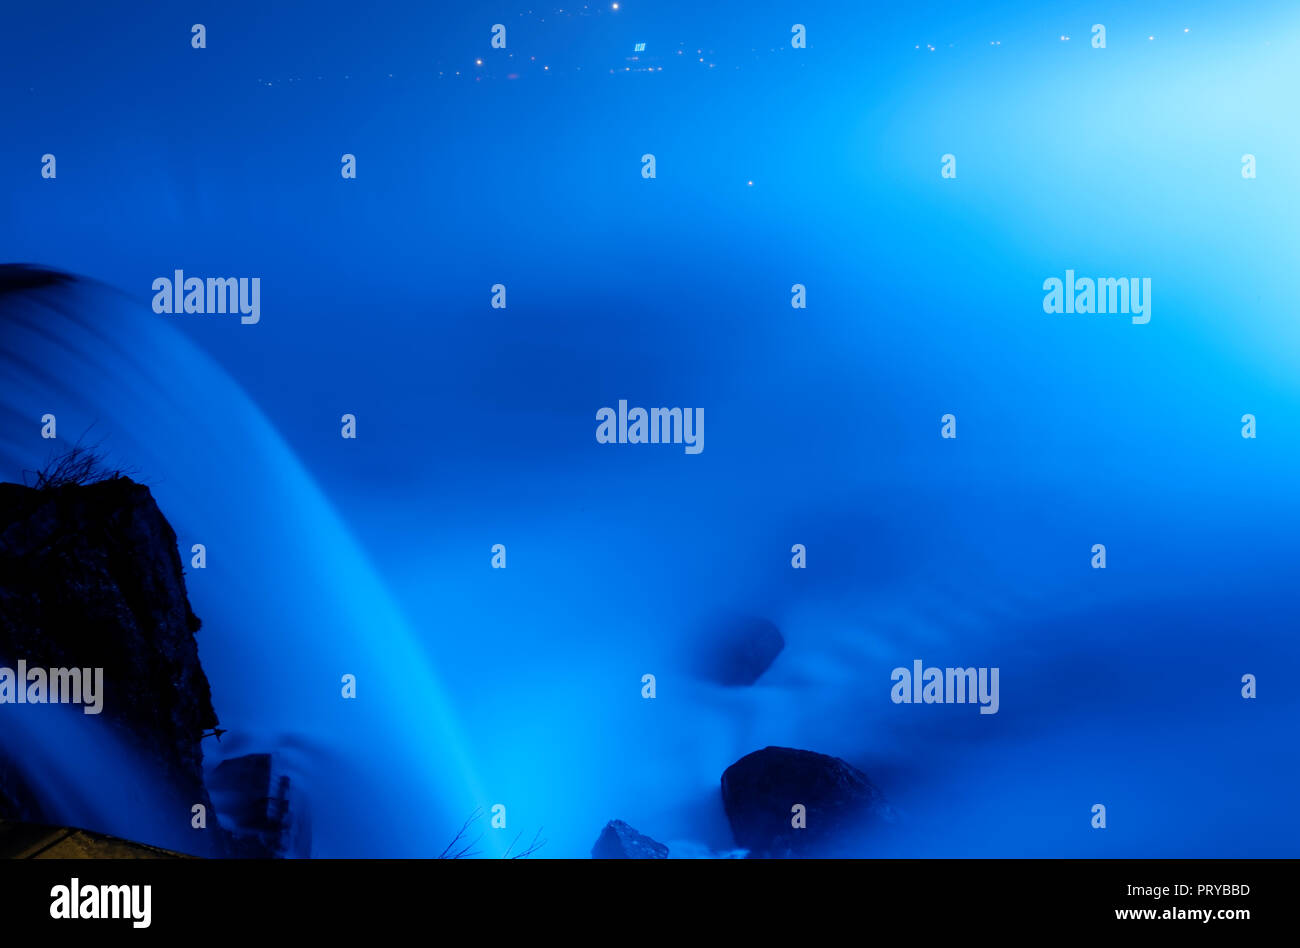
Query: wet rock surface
{"points": [[760, 790], [255, 806], [620, 841], [737, 650]]}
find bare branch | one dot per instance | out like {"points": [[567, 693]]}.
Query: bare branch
{"points": [[535, 845], [457, 849]]}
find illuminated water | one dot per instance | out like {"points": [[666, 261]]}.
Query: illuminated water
{"points": [[476, 426]]}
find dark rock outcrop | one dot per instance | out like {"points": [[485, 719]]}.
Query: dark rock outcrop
{"points": [[90, 577], [760, 790], [737, 650], [620, 841], [253, 803]]}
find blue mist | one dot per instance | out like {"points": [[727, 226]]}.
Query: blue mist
{"points": [[476, 426]]}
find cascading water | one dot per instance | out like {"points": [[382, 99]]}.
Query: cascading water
{"points": [[289, 602]]}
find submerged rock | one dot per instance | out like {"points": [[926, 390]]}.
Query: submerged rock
{"points": [[620, 841], [254, 804], [737, 650], [760, 790], [693, 849]]}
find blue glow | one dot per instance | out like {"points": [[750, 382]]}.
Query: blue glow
{"points": [[521, 686]]}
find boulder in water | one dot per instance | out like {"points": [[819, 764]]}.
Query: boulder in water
{"points": [[760, 791], [620, 841], [737, 650]]}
